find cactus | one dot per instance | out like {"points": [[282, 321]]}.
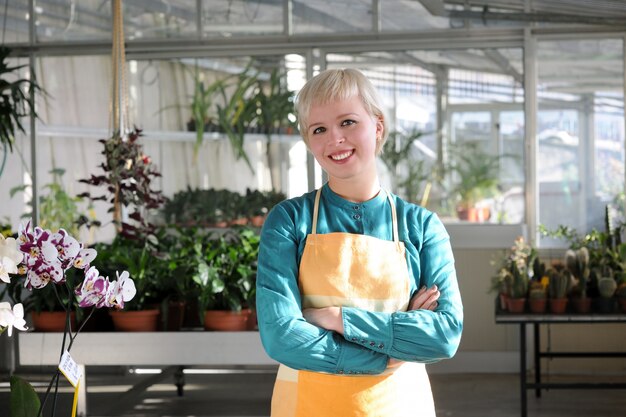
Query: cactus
{"points": [[536, 290], [539, 269], [559, 283], [577, 262], [607, 286]]}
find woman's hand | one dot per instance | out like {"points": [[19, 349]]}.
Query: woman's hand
{"points": [[328, 318], [425, 299]]}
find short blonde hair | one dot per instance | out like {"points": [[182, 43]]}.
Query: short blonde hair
{"points": [[339, 84]]}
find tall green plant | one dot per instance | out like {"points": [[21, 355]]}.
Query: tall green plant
{"points": [[201, 104], [275, 105], [239, 110]]}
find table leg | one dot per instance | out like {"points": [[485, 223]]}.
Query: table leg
{"points": [[522, 370], [537, 347]]}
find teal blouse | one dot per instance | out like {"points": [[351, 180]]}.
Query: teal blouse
{"points": [[370, 338]]}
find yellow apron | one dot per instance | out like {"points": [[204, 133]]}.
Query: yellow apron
{"points": [[344, 269]]}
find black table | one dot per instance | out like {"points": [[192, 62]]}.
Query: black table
{"points": [[538, 319]]}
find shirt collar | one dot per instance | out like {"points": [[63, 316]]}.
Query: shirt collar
{"points": [[335, 199]]}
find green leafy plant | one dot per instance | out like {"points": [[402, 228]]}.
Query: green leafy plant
{"points": [[476, 174], [15, 101], [226, 272], [201, 106], [239, 110], [408, 173], [57, 208], [136, 257]]}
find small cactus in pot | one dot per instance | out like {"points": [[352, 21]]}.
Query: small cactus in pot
{"points": [[537, 297], [577, 262], [607, 287], [558, 287]]}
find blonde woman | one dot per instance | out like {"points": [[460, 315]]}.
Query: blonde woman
{"points": [[356, 288]]}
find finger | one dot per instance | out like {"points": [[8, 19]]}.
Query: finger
{"points": [[424, 298]]}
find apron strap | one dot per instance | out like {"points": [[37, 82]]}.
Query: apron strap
{"points": [[315, 209], [394, 216]]}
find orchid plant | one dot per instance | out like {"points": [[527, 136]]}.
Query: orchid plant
{"points": [[41, 258]]}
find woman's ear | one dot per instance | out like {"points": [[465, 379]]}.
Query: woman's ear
{"points": [[380, 128]]}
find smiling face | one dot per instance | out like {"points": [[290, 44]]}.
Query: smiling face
{"points": [[342, 136]]}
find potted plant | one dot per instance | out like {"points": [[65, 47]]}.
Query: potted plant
{"points": [[138, 259], [559, 280], [477, 177], [179, 252], [607, 286], [538, 287], [128, 180], [225, 277], [577, 263], [515, 272], [44, 259]]}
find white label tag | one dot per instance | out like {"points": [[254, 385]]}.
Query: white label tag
{"points": [[70, 369]]}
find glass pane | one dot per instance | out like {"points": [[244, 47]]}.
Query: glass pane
{"points": [[73, 21], [240, 17], [407, 164], [91, 20], [15, 22], [396, 15], [332, 16], [511, 207], [160, 19], [580, 133]]}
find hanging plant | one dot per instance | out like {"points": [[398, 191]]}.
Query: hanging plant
{"points": [[15, 102], [128, 176]]}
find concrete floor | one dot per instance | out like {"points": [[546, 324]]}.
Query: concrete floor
{"points": [[247, 393]]}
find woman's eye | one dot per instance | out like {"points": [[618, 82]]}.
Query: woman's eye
{"points": [[347, 122], [318, 130]]}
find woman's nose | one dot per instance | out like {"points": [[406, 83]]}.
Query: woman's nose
{"points": [[337, 137]]}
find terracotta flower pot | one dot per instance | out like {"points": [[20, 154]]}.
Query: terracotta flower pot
{"points": [[558, 305], [135, 321], [516, 305], [226, 320], [257, 221], [51, 321]]}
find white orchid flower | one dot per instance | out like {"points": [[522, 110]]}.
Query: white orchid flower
{"points": [[12, 318], [10, 258]]}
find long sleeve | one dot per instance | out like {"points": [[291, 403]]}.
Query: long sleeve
{"points": [[285, 335], [420, 335]]}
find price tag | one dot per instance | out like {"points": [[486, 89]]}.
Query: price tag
{"points": [[70, 369]]}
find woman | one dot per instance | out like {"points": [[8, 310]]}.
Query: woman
{"points": [[356, 288]]}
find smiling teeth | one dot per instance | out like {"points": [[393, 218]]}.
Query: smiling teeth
{"points": [[341, 156]]}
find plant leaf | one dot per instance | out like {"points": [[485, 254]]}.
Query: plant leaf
{"points": [[24, 399]]}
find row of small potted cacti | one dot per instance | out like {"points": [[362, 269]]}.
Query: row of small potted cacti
{"points": [[524, 283]]}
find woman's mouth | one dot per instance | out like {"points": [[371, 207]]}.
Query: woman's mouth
{"points": [[341, 156]]}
